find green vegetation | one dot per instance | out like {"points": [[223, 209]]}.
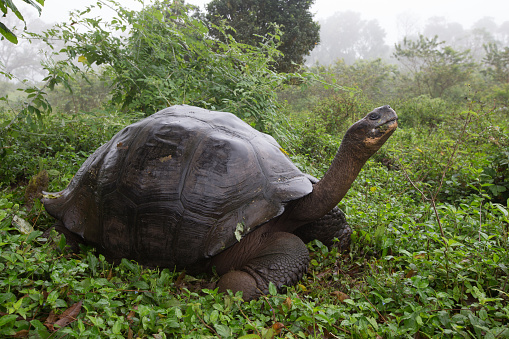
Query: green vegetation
{"points": [[429, 254], [251, 21]]}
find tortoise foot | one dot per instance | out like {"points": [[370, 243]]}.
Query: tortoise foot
{"points": [[281, 259], [239, 281]]}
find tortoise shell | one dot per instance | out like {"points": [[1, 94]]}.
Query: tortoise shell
{"points": [[178, 187]]}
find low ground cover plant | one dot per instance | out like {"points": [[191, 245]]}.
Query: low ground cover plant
{"points": [[426, 260]]}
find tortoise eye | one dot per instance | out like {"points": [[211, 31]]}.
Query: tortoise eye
{"points": [[374, 116]]}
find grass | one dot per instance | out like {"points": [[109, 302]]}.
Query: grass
{"points": [[420, 266]]}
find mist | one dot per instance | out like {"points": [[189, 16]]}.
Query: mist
{"points": [[350, 30]]}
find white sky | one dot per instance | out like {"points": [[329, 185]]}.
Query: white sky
{"points": [[386, 12]]}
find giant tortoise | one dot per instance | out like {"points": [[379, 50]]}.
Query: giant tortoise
{"points": [[193, 189]]}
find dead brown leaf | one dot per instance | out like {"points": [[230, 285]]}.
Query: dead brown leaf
{"points": [[340, 295], [324, 273], [410, 274], [21, 334], [69, 315], [110, 274], [180, 279], [288, 302], [131, 314], [277, 327], [50, 320]]}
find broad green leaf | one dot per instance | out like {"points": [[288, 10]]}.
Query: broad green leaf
{"points": [[117, 326], [7, 319], [250, 336], [272, 288], [141, 285], [443, 316], [14, 9], [8, 34], [130, 266], [452, 243], [214, 315], [502, 209], [158, 15], [373, 323], [52, 297], [35, 5], [223, 330]]}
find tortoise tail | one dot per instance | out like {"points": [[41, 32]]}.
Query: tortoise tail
{"points": [[54, 203]]}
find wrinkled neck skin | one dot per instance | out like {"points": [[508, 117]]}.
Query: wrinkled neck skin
{"points": [[328, 192]]}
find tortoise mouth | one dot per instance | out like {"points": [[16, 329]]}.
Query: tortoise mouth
{"points": [[388, 125]]}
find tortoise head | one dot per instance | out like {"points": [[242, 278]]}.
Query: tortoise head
{"points": [[367, 135]]}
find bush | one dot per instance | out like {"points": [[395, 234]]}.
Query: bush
{"points": [[60, 146], [337, 113], [169, 58], [422, 111], [318, 136]]}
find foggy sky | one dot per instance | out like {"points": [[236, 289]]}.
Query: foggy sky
{"points": [[391, 14]]}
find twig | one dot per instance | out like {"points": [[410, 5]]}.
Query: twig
{"points": [[341, 329], [29, 103], [206, 325], [248, 320], [381, 316], [451, 158], [271, 308], [480, 220], [505, 283], [431, 200]]}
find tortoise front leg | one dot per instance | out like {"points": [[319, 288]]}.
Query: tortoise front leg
{"points": [[331, 226], [281, 258]]}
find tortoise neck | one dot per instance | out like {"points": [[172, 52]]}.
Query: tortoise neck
{"points": [[328, 192]]}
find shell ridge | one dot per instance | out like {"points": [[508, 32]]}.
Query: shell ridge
{"points": [[212, 243], [183, 179], [102, 233]]}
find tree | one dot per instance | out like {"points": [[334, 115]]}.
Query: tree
{"points": [[497, 67], [373, 77], [433, 68], [452, 32], [5, 6], [346, 36], [476, 40], [252, 20], [497, 62], [503, 33], [23, 60]]}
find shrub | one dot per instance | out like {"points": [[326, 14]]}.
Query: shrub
{"points": [[318, 136], [422, 111]]}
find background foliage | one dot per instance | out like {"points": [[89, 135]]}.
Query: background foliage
{"points": [[169, 58], [429, 210]]}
